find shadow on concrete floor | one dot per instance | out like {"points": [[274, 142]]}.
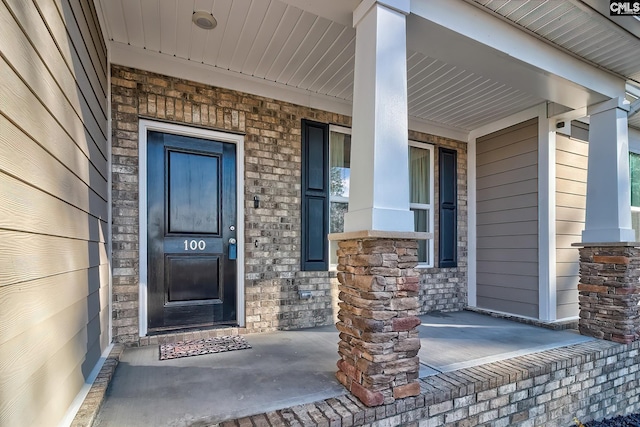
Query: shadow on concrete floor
{"points": [[288, 368]]}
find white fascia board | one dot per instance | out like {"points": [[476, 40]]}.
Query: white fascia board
{"points": [[511, 120], [425, 126], [509, 54], [184, 69]]}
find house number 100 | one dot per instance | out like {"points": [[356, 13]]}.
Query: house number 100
{"points": [[194, 244]]}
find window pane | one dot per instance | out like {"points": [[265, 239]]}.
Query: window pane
{"points": [[635, 223], [336, 222], [336, 225], [419, 175], [421, 223], [339, 164], [634, 172]]}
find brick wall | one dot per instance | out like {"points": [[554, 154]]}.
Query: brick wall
{"points": [[272, 171], [589, 381]]}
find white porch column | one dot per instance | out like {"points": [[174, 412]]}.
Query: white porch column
{"points": [[608, 214], [379, 193]]}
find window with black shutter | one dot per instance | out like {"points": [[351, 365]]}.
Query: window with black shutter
{"points": [[448, 224], [315, 196]]}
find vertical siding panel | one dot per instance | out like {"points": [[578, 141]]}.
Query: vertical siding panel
{"points": [[54, 271], [507, 182], [571, 180]]}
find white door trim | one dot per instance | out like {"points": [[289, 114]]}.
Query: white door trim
{"points": [[147, 125]]}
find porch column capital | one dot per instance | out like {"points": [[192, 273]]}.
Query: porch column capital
{"points": [[608, 213], [379, 183], [613, 103], [400, 6]]}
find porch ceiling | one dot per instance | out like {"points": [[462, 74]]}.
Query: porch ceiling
{"points": [[583, 28], [309, 46]]}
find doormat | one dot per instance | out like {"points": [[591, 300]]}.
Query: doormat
{"points": [[179, 349]]}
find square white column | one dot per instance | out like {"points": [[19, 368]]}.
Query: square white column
{"points": [[379, 193], [608, 214]]}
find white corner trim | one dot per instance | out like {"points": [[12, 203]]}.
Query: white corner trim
{"points": [[84, 390], [238, 140], [472, 253], [546, 218]]}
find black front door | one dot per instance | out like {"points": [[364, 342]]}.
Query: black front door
{"points": [[191, 222]]}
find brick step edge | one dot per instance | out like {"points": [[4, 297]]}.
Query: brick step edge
{"points": [[88, 411]]}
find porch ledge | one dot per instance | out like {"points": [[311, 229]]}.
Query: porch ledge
{"points": [[605, 244], [516, 381], [379, 234]]}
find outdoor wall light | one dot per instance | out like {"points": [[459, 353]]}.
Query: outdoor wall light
{"points": [[204, 20]]}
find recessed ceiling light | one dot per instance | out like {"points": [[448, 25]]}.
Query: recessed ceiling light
{"points": [[204, 20]]}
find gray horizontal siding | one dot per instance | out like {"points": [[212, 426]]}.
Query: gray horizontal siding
{"points": [[54, 270], [507, 220], [571, 187]]}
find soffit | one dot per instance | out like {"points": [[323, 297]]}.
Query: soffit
{"points": [[582, 28], [277, 42]]}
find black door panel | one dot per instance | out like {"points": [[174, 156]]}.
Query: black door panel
{"points": [[191, 195]]}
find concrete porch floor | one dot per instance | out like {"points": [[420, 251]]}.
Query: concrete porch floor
{"points": [[289, 368]]}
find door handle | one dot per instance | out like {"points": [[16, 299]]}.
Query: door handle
{"points": [[233, 249]]}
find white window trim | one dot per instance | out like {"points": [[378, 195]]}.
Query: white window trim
{"points": [[336, 199], [428, 207]]}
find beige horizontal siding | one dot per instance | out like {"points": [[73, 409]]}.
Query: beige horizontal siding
{"points": [[54, 270], [571, 179], [507, 220]]}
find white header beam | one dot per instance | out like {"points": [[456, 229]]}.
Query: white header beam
{"points": [[481, 43]]}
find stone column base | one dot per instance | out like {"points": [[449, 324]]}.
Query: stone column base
{"points": [[609, 292], [378, 319]]}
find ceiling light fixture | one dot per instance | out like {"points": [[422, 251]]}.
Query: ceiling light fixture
{"points": [[204, 20]]}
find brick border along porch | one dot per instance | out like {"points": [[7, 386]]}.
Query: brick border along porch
{"points": [[589, 381]]}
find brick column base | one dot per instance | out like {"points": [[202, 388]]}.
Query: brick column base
{"points": [[378, 319], [609, 292]]}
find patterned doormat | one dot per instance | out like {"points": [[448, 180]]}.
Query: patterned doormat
{"points": [[179, 349]]}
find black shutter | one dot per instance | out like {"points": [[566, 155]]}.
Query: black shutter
{"points": [[448, 227], [315, 196]]}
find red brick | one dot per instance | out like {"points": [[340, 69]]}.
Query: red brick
{"points": [[608, 259], [627, 291], [405, 323], [349, 370], [623, 339], [593, 288], [367, 397]]}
